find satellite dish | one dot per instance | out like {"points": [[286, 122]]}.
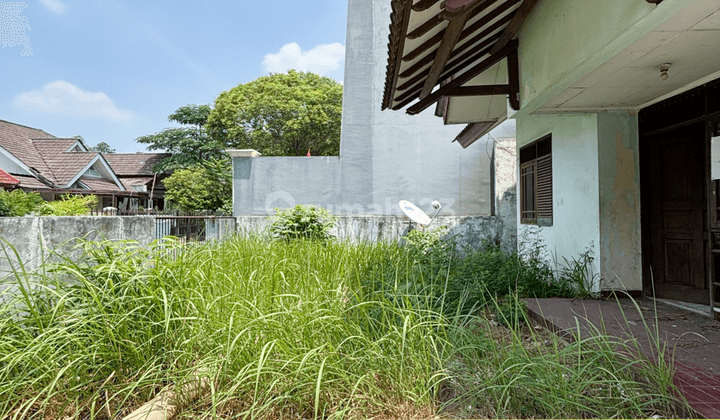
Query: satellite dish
{"points": [[414, 213]]}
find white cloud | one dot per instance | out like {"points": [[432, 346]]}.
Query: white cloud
{"points": [[320, 60], [63, 98], [55, 6]]}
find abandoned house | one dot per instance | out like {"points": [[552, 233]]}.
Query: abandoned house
{"points": [[617, 108]]}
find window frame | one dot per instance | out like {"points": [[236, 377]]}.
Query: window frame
{"points": [[535, 168]]}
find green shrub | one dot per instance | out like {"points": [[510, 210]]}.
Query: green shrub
{"points": [[70, 205], [301, 221], [18, 203], [430, 243]]}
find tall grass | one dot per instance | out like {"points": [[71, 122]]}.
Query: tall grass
{"points": [[285, 330]]}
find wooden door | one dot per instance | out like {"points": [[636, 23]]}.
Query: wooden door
{"points": [[678, 212]]}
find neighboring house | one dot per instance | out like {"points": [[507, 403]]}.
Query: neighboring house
{"points": [[135, 171], [617, 107], [382, 159], [8, 181], [53, 167]]}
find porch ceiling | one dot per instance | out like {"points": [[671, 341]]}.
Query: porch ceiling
{"points": [[631, 80]]}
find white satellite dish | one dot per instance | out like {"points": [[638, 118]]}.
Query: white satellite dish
{"points": [[416, 215]]}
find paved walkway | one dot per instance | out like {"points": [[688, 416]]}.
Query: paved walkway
{"points": [[694, 338]]}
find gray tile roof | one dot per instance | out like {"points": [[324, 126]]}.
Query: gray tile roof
{"points": [[31, 182], [66, 166], [134, 164], [46, 154], [100, 185], [17, 139]]}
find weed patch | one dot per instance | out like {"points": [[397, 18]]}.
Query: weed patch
{"points": [[295, 329]]}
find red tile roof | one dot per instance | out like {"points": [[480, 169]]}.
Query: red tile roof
{"points": [[7, 179]]}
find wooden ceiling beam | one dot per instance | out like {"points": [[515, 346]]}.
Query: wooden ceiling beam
{"points": [[514, 26], [452, 36], [463, 78], [434, 21], [472, 133], [468, 32], [457, 63], [415, 90], [481, 90], [460, 63], [424, 5], [454, 60]]}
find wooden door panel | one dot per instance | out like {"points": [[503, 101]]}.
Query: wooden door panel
{"points": [[678, 261], [677, 211]]}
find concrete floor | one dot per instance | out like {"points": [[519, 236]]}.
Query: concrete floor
{"points": [[693, 339]]}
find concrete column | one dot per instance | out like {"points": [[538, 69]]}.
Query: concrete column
{"points": [[619, 179], [242, 186]]}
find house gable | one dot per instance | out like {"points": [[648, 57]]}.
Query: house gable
{"points": [[97, 168], [12, 164]]}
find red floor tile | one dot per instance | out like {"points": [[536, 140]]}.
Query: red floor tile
{"points": [[709, 411], [712, 392], [694, 395]]}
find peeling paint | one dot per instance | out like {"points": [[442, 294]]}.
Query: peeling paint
{"points": [[619, 201], [35, 237]]}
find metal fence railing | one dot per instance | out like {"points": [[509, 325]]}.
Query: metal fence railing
{"points": [[194, 228]]}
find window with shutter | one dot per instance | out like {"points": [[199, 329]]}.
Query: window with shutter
{"points": [[536, 183]]}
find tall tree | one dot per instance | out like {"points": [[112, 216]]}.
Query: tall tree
{"points": [[102, 147], [202, 186], [189, 145], [280, 115]]}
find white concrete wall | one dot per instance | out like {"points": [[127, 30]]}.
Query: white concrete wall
{"points": [[385, 156], [576, 223], [35, 238], [596, 193]]}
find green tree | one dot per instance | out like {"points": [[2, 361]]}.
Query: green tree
{"points": [[280, 115], [189, 145], [203, 186], [102, 147]]}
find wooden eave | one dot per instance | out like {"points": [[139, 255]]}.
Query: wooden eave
{"points": [[429, 45]]}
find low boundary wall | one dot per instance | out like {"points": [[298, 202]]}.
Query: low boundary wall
{"points": [[35, 237], [470, 231]]}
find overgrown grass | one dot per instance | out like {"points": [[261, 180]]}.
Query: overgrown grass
{"points": [[291, 330]]}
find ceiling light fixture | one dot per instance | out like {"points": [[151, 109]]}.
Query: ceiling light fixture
{"points": [[664, 70]]}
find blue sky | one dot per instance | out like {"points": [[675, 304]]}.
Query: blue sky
{"points": [[113, 70]]}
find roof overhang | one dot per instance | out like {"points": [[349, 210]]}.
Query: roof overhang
{"points": [[460, 53]]}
